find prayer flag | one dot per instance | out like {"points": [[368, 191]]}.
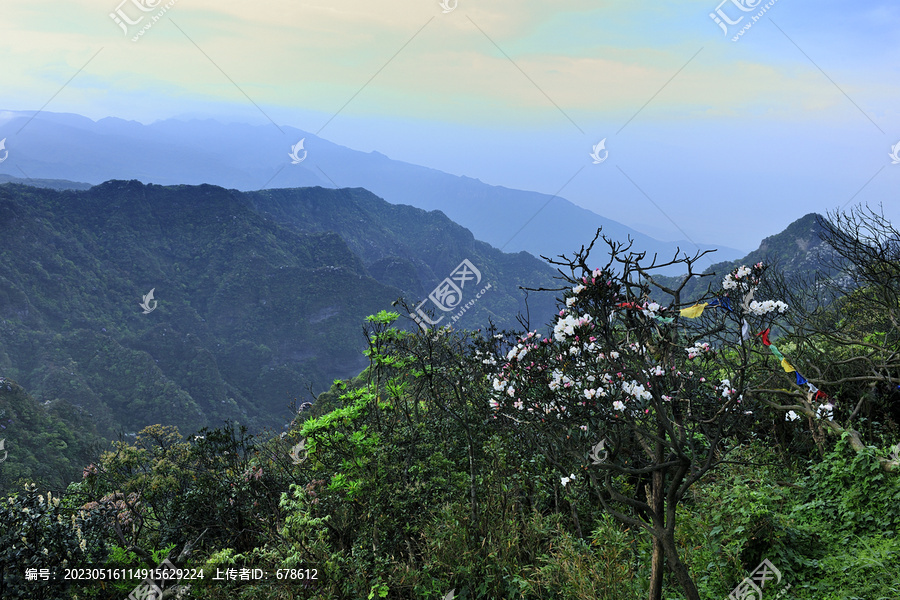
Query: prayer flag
{"points": [[724, 302], [692, 312]]}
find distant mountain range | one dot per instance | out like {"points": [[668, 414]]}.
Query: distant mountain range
{"points": [[259, 297], [247, 157]]}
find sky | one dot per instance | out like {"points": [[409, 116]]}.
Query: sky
{"points": [[715, 133]]}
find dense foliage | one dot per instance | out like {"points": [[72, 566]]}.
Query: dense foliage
{"points": [[468, 464], [257, 302]]}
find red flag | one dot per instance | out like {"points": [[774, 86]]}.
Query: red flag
{"points": [[765, 337]]}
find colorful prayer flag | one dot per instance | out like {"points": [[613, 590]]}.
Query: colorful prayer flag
{"points": [[692, 312], [724, 302]]}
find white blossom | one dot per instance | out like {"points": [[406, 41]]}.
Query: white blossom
{"points": [[565, 327], [633, 388], [826, 412], [727, 390], [698, 349], [767, 306]]}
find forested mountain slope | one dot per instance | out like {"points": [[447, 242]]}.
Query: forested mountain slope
{"points": [[260, 297]]}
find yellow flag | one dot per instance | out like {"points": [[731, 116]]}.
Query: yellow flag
{"points": [[787, 366], [692, 312]]}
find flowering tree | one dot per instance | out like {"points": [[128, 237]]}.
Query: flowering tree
{"points": [[637, 398]]}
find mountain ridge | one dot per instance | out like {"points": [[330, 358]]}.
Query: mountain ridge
{"points": [[251, 157], [259, 295], [797, 250]]}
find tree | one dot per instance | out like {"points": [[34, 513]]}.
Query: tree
{"points": [[162, 490], [845, 329], [640, 399], [383, 462], [408, 480]]}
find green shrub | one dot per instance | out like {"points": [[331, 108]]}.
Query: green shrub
{"points": [[45, 533]]}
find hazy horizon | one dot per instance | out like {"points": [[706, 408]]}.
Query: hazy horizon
{"points": [[709, 139]]}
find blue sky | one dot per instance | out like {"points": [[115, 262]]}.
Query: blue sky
{"points": [[709, 139]]}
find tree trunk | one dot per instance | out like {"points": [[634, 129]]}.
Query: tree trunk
{"points": [[678, 568], [656, 500], [657, 566]]}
